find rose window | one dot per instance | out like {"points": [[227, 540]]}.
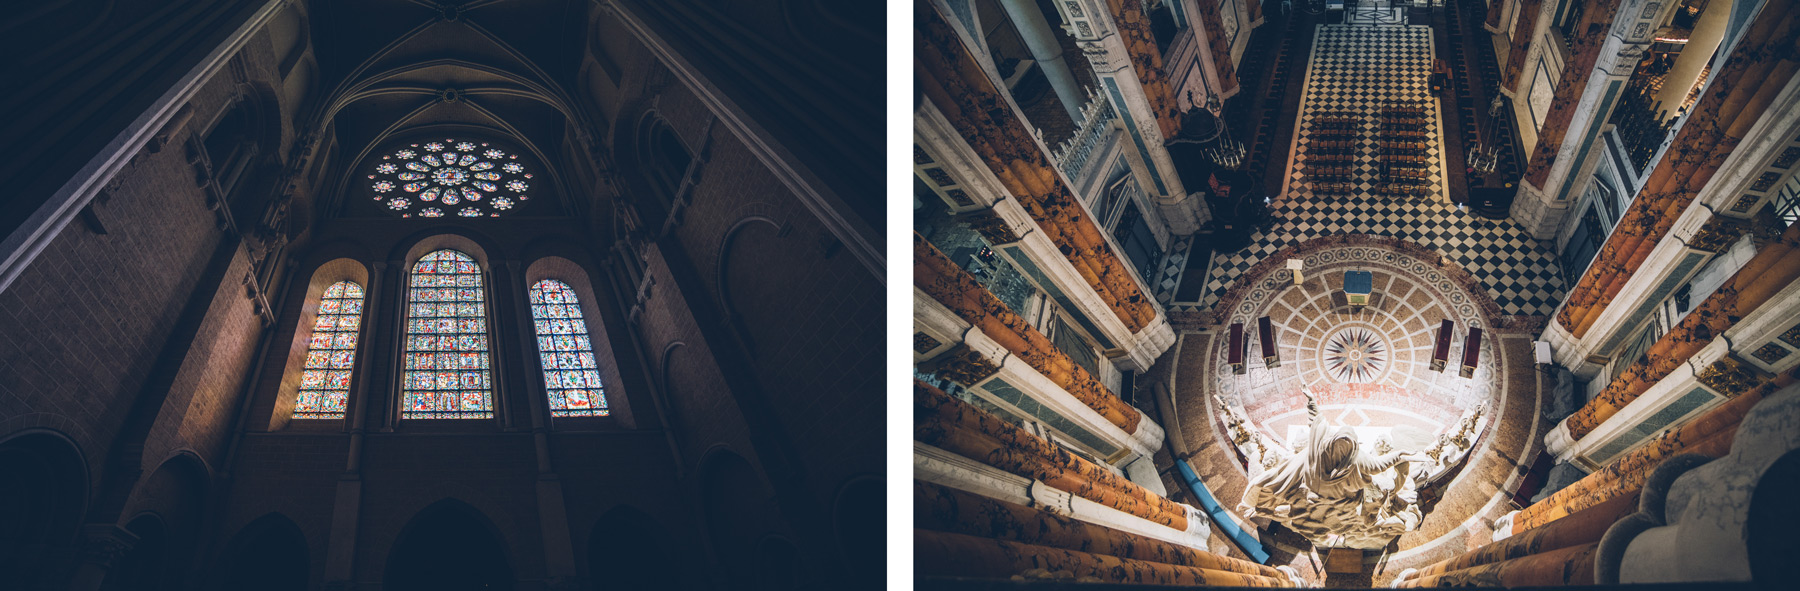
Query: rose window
{"points": [[452, 177]]}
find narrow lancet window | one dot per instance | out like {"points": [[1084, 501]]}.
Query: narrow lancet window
{"points": [[325, 381], [447, 367], [570, 374]]}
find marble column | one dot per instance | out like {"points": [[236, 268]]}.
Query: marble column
{"points": [[940, 508], [1759, 66], [1495, 9], [1566, 566], [1710, 434], [949, 76], [1708, 31], [1772, 269], [1116, 38], [1522, 33], [1583, 527], [939, 277], [943, 554], [1591, 83], [952, 425], [1219, 46], [1041, 40]]}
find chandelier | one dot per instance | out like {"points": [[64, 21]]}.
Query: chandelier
{"points": [[1225, 151]]}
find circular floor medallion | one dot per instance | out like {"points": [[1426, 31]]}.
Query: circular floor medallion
{"points": [[1356, 354]]}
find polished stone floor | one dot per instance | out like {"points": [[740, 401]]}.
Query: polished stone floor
{"points": [[1355, 71]]}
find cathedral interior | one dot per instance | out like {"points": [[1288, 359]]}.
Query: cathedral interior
{"points": [[1355, 293], [460, 294]]}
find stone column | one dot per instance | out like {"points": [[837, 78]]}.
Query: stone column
{"points": [[1116, 38], [98, 549], [1772, 269], [1217, 45], [958, 555], [1522, 34], [1495, 10], [1584, 97], [1041, 40], [1698, 52], [952, 425], [945, 509], [1761, 64], [941, 279], [381, 302], [949, 76]]}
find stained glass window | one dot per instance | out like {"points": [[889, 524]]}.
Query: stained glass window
{"points": [[435, 179], [570, 374], [325, 381], [447, 372]]}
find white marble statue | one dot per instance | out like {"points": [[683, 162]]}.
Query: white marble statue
{"points": [[1333, 491]]}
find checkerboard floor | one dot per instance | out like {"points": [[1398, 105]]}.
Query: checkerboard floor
{"points": [[1356, 71]]}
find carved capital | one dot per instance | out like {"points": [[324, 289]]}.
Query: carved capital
{"points": [[923, 343], [961, 365], [103, 544], [1718, 234], [1730, 376], [992, 227]]}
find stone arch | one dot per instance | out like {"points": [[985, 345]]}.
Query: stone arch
{"points": [[448, 545], [165, 517], [859, 520], [268, 553], [628, 550], [739, 511], [323, 277], [593, 315], [43, 494], [759, 229]]}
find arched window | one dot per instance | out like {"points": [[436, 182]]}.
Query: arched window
{"points": [[570, 374], [668, 159], [325, 382], [447, 368]]}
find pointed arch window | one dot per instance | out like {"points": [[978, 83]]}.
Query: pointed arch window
{"points": [[447, 363], [571, 376], [325, 381]]}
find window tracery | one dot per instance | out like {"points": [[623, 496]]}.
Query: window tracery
{"points": [[464, 178], [447, 366], [571, 376], [330, 355]]}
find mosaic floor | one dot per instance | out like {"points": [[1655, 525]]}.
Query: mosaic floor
{"points": [[1339, 180]]}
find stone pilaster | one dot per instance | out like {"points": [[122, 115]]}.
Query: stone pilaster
{"points": [[1759, 66], [949, 76], [1117, 41], [1756, 283], [1522, 33]]}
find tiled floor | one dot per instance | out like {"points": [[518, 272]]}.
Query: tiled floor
{"points": [[1357, 69]]}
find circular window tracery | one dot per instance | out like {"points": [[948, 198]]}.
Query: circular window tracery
{"points": [[452, 177]]}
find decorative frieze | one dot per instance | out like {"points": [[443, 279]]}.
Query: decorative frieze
{"points": [[1730, 376], [1718, 234], [961, 365], [1713, 129], [992, 227]]}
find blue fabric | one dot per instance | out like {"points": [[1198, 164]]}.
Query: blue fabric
{"points": [[1243, 539]]}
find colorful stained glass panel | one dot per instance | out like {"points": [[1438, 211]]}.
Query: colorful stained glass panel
{"points": [[570, 374], [447, 371], [331, 352]]}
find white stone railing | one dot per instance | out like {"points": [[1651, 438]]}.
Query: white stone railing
{"points": [[1096, 119]]}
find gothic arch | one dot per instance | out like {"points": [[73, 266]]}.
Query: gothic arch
{"points": [[738, 509], [727, 303], [628, 549], [448, 545], [324, 276], [558, 268], [44, 483], [268, 553]]}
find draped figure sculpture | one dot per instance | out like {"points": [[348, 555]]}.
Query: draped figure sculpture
{"points": [[1334, 492]]}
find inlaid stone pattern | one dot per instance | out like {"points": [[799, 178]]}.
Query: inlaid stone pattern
{"points": [[1370, 364], [1358, 69]]}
